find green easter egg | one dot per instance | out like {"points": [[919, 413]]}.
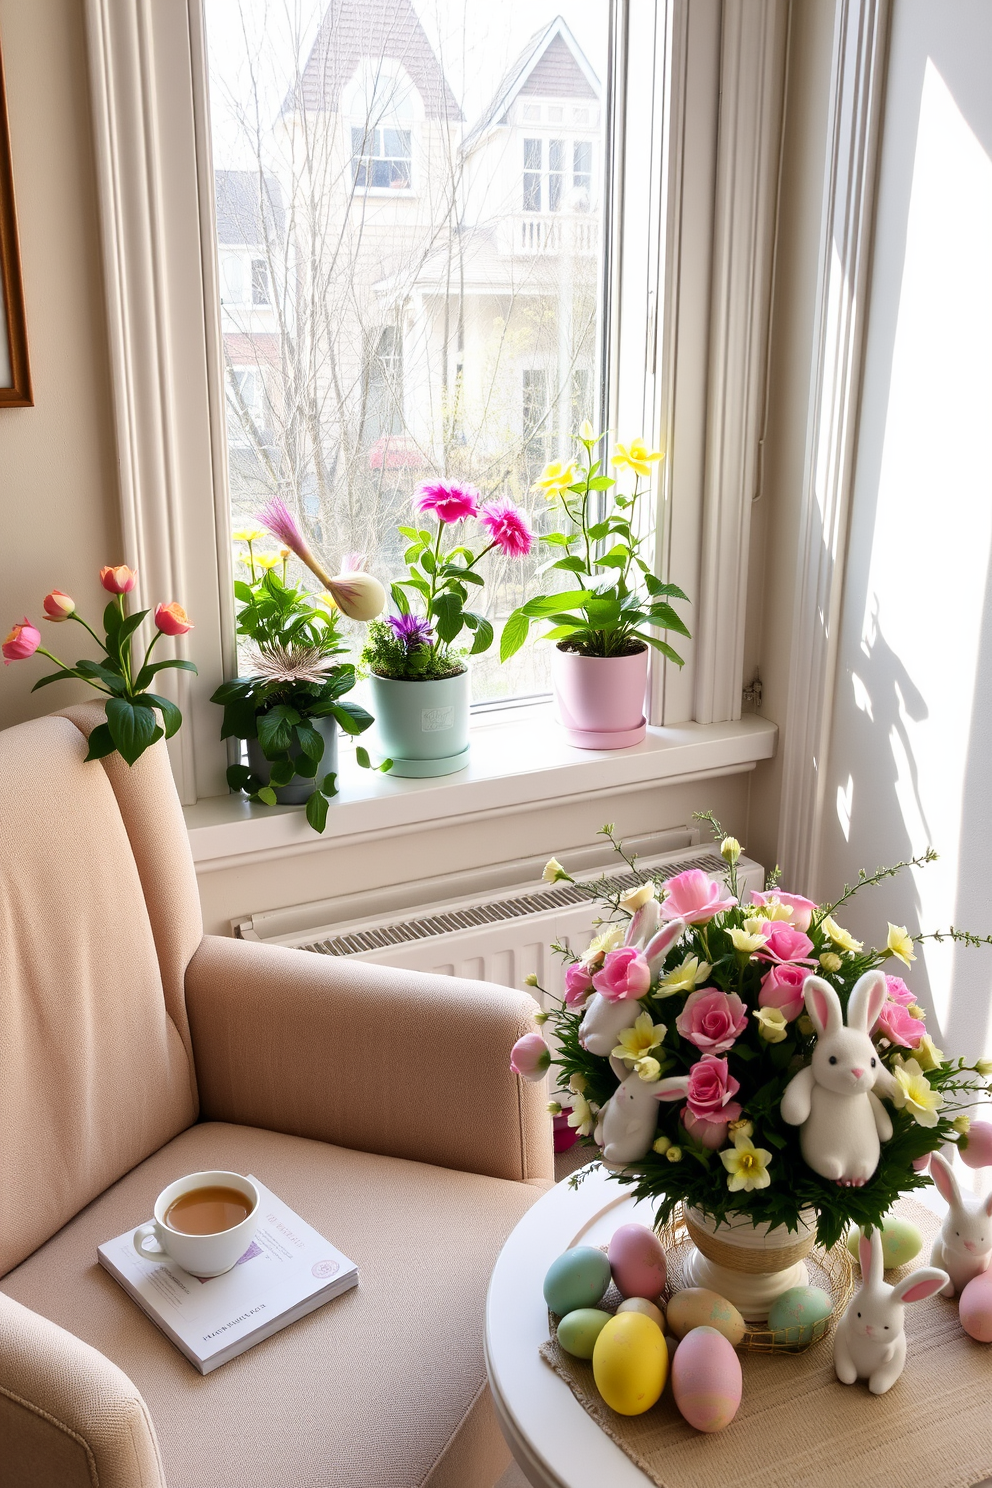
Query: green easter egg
{"points": [[901, 1242], [576, 1279], [799, 1315], [578, 1331]]}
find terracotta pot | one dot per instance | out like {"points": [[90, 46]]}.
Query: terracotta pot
{"points": [[600, 698], [749, 1264]]}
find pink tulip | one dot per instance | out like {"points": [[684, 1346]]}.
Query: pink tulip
{"points": [[58, 606], [978, 1151], [530, 1057], [712, 1020], [625, 974], [782, 988], [578, 984], [785, 945], [22, 642], [802, 909], [895, 1024], [119, 580], [172, 619], [694, 897], [898, 991]]}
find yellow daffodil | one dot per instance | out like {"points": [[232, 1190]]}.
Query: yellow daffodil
{"points": [[830, 961], [647, 1069], [587, 435], [328, 600], [636, 456], [741, 1127], [661, 1145], [684, 978], [730, 849], [746, 941], [638, 897], [746, 1165], [556, 478], [900, 944], [249, 535], [772, 1024], [776, 910], [916, 1094], [674, 1154], [840, 937], [600, 945], [554, 1108], [267, 560], [915, 1011], [962, 1124], [582, 1117], [640, 1040], [553, 871], [927, 1055]]}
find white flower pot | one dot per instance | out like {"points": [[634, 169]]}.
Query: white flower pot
{"points": [[749, 1264]]}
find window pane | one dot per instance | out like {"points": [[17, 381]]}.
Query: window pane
{"points": [[410, 263]]}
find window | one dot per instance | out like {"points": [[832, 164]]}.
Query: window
{"points": [[533, 170], [381, 157], [384, 412], [568, 182], [259, 282]]}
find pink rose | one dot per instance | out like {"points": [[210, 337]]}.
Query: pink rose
{"points": [[625, 973], [898, 991], [802, 909], [784, 944], [578, 984], [895, 1024], [709, 1107], [530, 1057], [782, 988], [694, 897], [712, 1020]]}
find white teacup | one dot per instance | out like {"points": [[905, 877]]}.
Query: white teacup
{"points": [[200, 1255]]}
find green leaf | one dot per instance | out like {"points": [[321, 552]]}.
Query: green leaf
{"points": [[133, 728], [171, 717], [275, 729], [665, 617], [352, 717], [573, 564], [656, 588], [267, 794], [317, 811], [309, 740], [410, 532], [282, 771], [228, 691], [55, 677], [603, 613], [560, 632], [101, 743], [112, 619], [243, 592], [146, 674], [483, 634], [601, 483], [412, 553], [238, 777], [329, 784], [547, 604], [448, 620], [386, 765], [110, 676], [514, 634], [661, 646], [129, 626], [306, 766], [599, 530], [469, 576], [399, 598], [427, 561], [362, 756], [557, 540]]}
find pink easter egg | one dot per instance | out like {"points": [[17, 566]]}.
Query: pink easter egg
{"points": [[706, 1379], [975, 1308], [637, 1260], [978, 1153]]}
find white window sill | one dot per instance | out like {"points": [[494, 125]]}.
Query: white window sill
{"points": [[519, 760]]}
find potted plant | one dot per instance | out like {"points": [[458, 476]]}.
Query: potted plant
{"points": [[695, 1035], [419, 675], [604, 627]]}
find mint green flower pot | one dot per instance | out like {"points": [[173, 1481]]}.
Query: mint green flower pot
{"points": [[423, 726]]}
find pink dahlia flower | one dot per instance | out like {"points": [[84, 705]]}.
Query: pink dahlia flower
{"points": [[785, 945], [578, 984], [449, 501], [802, 909], [782, 988], [625, 974], [508, 528], [712, 1020], [896, 1024], [22, 642], [530, 1057], [693, 897], [898, 991]]}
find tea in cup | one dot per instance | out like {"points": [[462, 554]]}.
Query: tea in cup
{"points": [[204, 1222]]}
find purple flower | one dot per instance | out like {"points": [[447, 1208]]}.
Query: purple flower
{"points": [[411, 630]]}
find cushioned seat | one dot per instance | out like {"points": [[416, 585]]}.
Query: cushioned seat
{"points": [[376, 1387]]}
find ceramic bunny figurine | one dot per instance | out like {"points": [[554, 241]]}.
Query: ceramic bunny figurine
{"points": [[626, 1125], [842, 1121], [964, 1246], [870, 1342], [605, 1020]]}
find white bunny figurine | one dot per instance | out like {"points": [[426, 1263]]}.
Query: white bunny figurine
{"points": [[842, 1121], [964, 1246], [605, 1020], [626, 1125], [870, 1342]]}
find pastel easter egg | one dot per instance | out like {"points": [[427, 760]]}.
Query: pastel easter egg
{"points": [[901, 1242], [578, 1331], [576, 1279], [645, 1308], [637, 1260], [630, 1363], [799, 1315], [697, 1307], [975, 1308], [706, 1379], [976, 1148]]}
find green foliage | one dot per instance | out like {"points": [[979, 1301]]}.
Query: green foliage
{"points": [[388, 656], [273, 613]]}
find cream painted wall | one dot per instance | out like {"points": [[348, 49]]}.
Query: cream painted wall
{"points": [[909, 763], [60, 521]]}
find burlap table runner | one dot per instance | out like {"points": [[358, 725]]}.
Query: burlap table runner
{"points": [[797, 1425]]}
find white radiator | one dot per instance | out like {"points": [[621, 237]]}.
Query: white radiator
{"points": [[503, 937]]}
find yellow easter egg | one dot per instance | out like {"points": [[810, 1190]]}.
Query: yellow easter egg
{"points": [[698, 1307], [630, 1363]]}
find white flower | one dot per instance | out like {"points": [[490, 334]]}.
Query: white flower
{"points": [[840, 937], [553, 871], [275, 663], [730, 849], [582, 1117], [637, 898]]}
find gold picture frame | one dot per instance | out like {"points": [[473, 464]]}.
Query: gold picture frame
{"points": [[15, 375]]}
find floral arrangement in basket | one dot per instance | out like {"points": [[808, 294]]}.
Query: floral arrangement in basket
{"points": [[751, 1058]]}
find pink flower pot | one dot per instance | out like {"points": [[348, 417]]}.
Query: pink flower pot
{"points": [[600, 698]]}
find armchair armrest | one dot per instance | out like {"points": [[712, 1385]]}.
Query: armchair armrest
{"points": [[395, 1062], [69, 1418]]}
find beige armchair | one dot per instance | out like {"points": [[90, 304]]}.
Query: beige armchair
{"points": [[133, 1049]]}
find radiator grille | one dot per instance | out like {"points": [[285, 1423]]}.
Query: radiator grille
{"points": [[402, 932]]}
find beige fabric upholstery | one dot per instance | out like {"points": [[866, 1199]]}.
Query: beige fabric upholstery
{"points": [[387, 1061], [381, 1388], [93, 1072], [68, 1417]]}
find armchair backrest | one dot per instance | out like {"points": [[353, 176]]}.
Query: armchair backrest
{"points": [[99, 917]]}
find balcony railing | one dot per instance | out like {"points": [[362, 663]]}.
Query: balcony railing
{"points": [[549, 233]]}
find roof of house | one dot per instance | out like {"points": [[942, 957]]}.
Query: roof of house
{"points": [[551, 65], [377, 29], [240, 207]]}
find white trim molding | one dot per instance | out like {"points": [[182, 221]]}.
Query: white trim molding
{"points": [[854, 131], [752, 89]]}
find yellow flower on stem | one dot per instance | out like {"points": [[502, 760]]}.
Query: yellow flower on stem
{"points": [[776, 910], [915, 1093], [640, 1040], [772, 1024], [830, 961], [730, 849], [601, 945], [661, 1145], [556, 478], [900, 944], [582, 1117], [267, 560], [684, 978], [553, 871], [840, 937], [747, 943], [249, 534], [915, 1011], [637, 898], [636, 456], [577, 1084], [983, 1067], [746, 1165], [554, 1108], [962, 1124], [927, 1055], [647, 1069], [587, 435]]}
